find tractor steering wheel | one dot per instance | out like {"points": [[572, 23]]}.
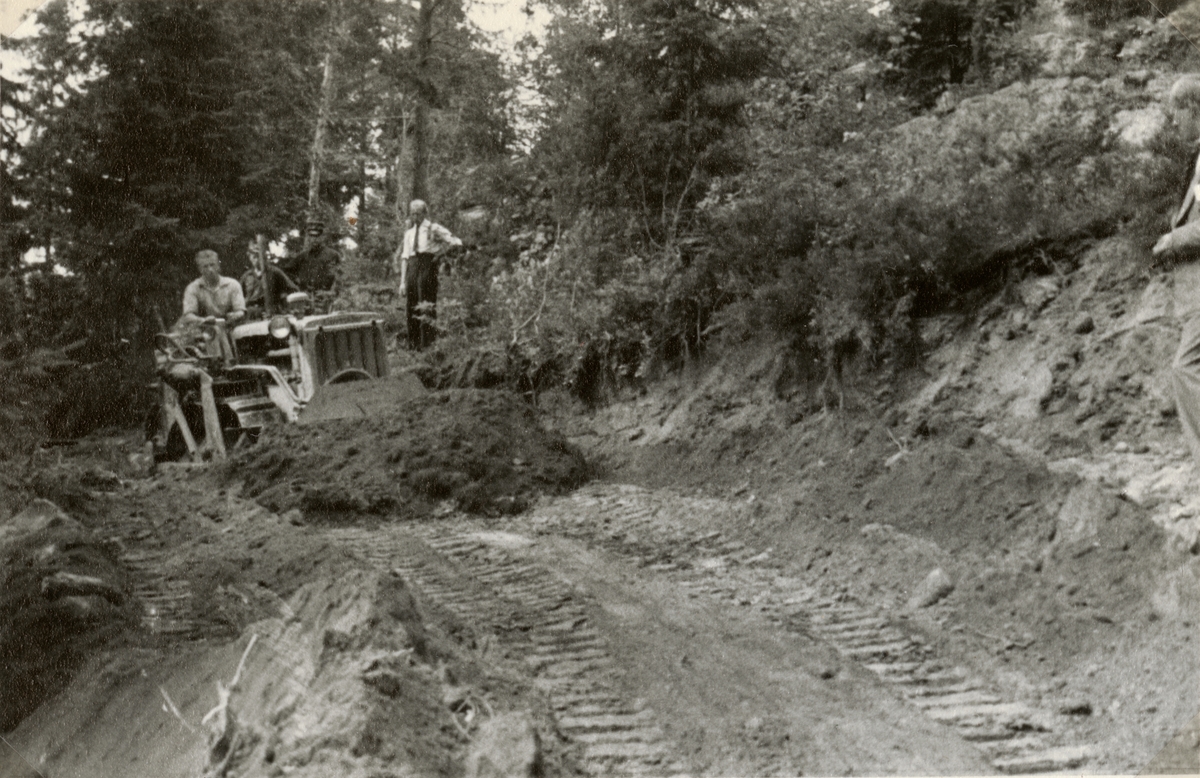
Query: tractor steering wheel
{"points": [[170, 346]]}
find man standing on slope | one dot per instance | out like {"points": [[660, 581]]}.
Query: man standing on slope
{"points": [[424, 242], [1184, 237]]}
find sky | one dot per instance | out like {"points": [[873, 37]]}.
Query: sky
{"points": [[11, 12]]}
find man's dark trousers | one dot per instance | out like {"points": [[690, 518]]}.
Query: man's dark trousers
{"points": [[422, 288]]}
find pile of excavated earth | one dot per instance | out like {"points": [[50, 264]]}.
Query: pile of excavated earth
{"points": [[481, 451], [169, 624]]}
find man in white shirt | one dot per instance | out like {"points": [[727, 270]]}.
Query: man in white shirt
{"points": [[209, 298], [424, 242], [212, 294]]}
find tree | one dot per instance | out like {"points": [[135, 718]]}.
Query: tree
{"points": [[938, 43], [643, 101]]}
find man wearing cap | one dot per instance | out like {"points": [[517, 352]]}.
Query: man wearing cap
{"points": [[1183, 242], [254, 287], [312, 269], [424, 242]]}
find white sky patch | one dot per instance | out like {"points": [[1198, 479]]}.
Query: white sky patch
{"points": [[36, 257], [15, 13], [12, 62], [507, 20]]}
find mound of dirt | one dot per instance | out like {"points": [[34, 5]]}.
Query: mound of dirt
{"points": [[483, 450], [967, 493], [62, 595]]}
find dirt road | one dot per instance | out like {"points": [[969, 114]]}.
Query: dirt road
{"points": [[644, 628], [721, 664], [648, 674]]}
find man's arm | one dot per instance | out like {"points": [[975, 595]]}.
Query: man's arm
{"points": [[281, 280], [237, 302], [443, 236], [191, 303], [291, 262], [408, 245]]}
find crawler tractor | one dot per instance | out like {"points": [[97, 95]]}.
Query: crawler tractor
{"points": [[222, 391]]}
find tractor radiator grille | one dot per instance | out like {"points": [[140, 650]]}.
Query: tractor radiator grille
{"points": [[343, 347]]}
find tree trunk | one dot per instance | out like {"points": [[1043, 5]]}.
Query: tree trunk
{"points": [[420, 173], [317, 154], [979, 41], [401, 157]]}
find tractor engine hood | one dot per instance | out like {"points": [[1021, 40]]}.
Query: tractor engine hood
{"points": [[261, 327]]}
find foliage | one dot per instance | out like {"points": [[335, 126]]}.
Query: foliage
{"points": [[932, 44], [145, 130], [1102, 13], [643, 102], [693, 170]]}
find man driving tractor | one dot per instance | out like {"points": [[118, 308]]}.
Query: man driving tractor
{"points": [[212, 295], [210, 303]]}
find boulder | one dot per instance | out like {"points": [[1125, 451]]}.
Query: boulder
{"points": [[38, 515], [1137, 127], [506, 746], [935, 586], [1086, 508], [1177, 595], [1036, 293], [1062, 54]]}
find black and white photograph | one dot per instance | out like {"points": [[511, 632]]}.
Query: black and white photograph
{"points": [[563, 388]]}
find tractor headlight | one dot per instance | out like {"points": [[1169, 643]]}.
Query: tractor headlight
{"points": [[280, 327]]}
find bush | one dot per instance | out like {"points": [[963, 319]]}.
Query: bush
{"points": [[1101, 13]]}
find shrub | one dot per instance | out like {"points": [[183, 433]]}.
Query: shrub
{"points": [[1101, 13]]}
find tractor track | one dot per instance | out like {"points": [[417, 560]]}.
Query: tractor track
{"points": [[533, 615], [658, 530], [539, 618], [166, 600], [486, 579]]}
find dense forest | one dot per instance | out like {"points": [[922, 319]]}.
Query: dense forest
{"points": [[638, 182]]}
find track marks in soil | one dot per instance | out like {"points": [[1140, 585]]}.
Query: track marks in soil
{"points": [[495, 581], [667, 533], [166, 601], [538, 618]]}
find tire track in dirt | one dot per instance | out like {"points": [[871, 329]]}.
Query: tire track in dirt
{"points": [[481, 577], [537, 617], [668, 533], [166, 601], [533, 615]]}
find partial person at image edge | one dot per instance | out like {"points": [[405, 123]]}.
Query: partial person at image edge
{"points": [[1184, 238]]}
